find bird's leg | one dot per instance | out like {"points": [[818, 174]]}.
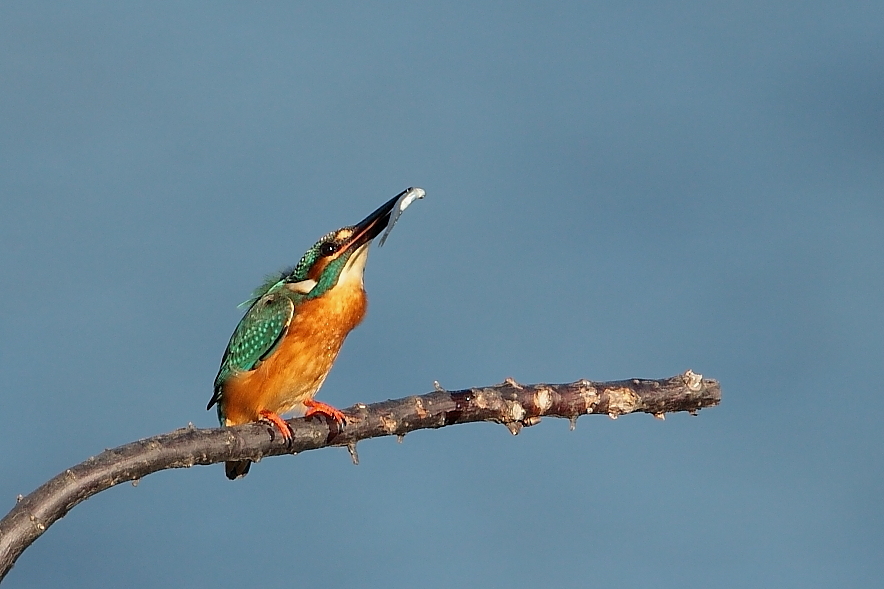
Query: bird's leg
{"points": [[314, 407], [284, 428]]}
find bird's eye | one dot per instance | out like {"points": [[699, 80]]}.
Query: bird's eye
{"points": [[327, 248]]}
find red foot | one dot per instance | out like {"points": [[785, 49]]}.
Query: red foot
{"points": [[314, 407], [283, 427]]}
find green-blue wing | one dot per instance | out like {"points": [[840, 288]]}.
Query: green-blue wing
{"points": [[256, 337]]}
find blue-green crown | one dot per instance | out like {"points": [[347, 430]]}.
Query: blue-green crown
{"points": [[295, 273]]}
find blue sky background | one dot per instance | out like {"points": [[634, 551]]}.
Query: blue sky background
{"points": [[615, 190]]}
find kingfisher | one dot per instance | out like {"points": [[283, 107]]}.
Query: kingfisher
{"points": [[284, 346]]}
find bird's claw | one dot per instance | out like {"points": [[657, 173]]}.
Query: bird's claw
{"points": [[288, 434], [319, 408], [335, 419]]}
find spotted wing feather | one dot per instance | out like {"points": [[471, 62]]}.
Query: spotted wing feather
{"points": [[255, 338]]}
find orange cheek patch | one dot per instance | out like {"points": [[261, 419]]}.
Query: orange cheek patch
{"points": [[318, 266]]}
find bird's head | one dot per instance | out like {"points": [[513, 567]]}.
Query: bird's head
{"points": [[340, 256]]}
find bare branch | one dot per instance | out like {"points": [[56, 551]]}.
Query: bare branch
{"points": [[508, 403]]}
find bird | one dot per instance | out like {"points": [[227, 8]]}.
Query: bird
{"points": [[286, 343]]}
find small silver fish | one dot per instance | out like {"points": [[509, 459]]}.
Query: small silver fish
{"points": [[406, 197]]}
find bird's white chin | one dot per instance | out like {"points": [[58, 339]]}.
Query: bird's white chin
{"points": [[355, 265]]}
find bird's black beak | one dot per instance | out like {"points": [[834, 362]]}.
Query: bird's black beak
{"points": [[372, 226]]}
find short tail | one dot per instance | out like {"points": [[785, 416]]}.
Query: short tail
{"points": [[237, 468]]}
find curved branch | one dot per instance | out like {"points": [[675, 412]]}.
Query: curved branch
{"points": [[508, 403]]}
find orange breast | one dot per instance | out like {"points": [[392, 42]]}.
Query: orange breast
{"points": [[298, 367]]}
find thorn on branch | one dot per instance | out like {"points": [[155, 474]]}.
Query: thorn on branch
{"points": [[510, 381], [354, 456]]}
